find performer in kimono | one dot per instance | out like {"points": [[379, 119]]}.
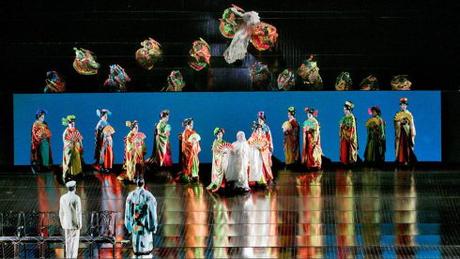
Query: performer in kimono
{"points": [[261, 119], [73, 149], [134, 152], [260, 171], [162, 148], [141, 218], [190, 148], [348, 136], [376, 142], [311, 150], [103, 153], [220, 152], [41, 147], [238, 164], [291, 138], [404, 135], [70, 218]]}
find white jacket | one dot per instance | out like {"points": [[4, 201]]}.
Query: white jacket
{"points": [[70, 211]]}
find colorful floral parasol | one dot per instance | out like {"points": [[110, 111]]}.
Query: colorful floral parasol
{"points": [[149, 54], [286, 80], [117, 78], [54, 83], [175, 82], [400, 82], [200, 55], [85, 62], [229, 22], [369, 83], [343, 82], [264, 36]]}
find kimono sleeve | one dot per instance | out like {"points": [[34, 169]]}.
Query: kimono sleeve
{"points": [[128, 214]]}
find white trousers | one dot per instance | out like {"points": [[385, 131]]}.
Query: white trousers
{"points": [[72, 240]]}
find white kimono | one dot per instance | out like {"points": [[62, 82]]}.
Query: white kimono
{"points": [[239, 165], [70, 217]]}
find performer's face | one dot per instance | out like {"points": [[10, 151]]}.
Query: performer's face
{"points": [[309, 115], [220, 135], [346, 111], [374, 113], [240, 137], [71, 125], [135, 129], [104, 117], [403, 106], [190, 126], [261, 122], [42, 118], [290, 116], [166, 118]]}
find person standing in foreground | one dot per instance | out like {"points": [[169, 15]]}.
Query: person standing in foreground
{"points": [[70, 217], [141, 218]]}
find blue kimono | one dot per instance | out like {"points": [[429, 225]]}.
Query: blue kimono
{"points": [[141, 219], [98, 154]]}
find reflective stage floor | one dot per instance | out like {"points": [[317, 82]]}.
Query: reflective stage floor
{"points": [[333, 214]]}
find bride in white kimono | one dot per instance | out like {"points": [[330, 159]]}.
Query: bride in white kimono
{"points": [[239, 162], [239, 45]]}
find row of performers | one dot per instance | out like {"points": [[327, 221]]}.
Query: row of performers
{"points": [[260, 143]]}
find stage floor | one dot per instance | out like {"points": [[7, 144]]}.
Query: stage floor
{"points": [[340, 213]]}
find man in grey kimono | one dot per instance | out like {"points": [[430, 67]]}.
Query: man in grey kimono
{"points": [[141, 218], [70, 217]]}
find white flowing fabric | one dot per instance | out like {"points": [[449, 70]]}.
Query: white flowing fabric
{"points": [[239, 162], [239, 45], [256, 164]]}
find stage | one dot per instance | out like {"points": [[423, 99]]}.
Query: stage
{"points": [[335, 213]]}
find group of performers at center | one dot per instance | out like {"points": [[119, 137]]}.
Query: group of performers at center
{"points": [[243, 163]]}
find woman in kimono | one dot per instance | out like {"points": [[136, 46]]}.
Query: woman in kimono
{"points": [[262, 119], [238, 164], [220, 151], [348, 136], [291, 138], [134, 152], [103, 152], [311, 150], [162, 148], [141, 218], [260, 171], [404, 135], [41, 148], [376, 142], [73, 149], [190, 148]]}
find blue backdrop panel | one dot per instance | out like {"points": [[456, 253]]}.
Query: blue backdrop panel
{"points": [[232, 110]]}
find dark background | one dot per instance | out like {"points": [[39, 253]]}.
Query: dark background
{"points": [[384, 38]]}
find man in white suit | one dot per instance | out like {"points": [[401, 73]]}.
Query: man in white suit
{"points": [[70, 217]]}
